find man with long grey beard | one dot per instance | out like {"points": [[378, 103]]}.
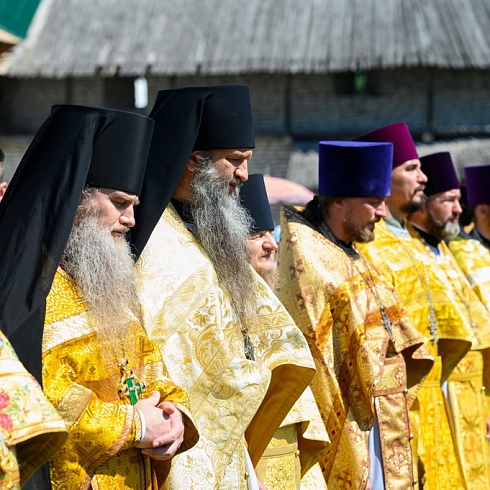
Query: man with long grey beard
{"points": [[224, 335], [75, 191]]}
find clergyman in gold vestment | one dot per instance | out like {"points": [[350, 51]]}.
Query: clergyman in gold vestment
{"points": [[75, 191], [435, 222], [290, 460], [410, 270], [358, 332], [223, 334], [471, 251], [477, 183]]}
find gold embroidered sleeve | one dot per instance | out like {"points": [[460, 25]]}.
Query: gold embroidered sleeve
{"points": [[87, 417]]}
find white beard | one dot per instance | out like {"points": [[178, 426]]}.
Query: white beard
{"points": [[222, 226], [103, 269]]}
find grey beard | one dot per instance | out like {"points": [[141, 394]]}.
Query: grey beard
{"points": [[222, 227], [102, 268], [270, 277], [442, 230]]}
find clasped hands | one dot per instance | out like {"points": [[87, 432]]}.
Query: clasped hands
{"points": [[164, 427]]}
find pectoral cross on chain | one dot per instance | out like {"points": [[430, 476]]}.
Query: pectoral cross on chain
{"points": [[248, 347], [386, 322], [130, 386], [433, 325]]}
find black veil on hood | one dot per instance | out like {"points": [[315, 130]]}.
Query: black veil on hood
{"points": [[75, 146], [186, 120]]}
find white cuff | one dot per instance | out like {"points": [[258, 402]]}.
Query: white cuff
{"points": [[143, 424]]}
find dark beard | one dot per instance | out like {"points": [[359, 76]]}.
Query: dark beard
{"points": [[102, 267], [222, 227], [357, 233], [413, 206]]}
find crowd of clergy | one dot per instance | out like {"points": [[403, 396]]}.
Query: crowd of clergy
{"points": [[160, 331]]}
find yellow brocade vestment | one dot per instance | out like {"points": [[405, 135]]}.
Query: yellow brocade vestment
{"points": [[474, 260], [81, 377], [31, 430], [289, 462], [361, 371], [406, 264], [466, 382], [189, 315]]}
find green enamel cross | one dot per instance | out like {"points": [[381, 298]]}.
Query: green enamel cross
{"points": [[130, 385]]}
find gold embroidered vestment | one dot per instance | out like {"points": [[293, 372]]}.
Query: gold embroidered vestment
{"points": [[331, 298], [466, 382], [189, 315], [81, 378], [31, 430], [474, 260], [405, 263]]}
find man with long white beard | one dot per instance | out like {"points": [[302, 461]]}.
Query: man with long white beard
{"points": [[435, 222], [74, 192], [225, 337]]}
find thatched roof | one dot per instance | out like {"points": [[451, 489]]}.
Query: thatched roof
{"points": [[187, 37]]}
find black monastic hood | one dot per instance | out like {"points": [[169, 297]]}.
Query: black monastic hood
{"points": [[186, 120], [75, 146]]}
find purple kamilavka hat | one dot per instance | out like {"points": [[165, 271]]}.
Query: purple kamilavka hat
{"points": [[440, 172], [354, 169], [478, 184], [398, 134]]}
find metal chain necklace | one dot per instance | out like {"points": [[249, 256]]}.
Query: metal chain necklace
{"points": [[248, 347], [464, 302], [355, 255], [385, 318], [425, 282]]}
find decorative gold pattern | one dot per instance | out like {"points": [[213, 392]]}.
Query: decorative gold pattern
{"points": [[335, 307], [436, 448], [466, 381], [468, 409], [80, 381], [189, 315], [312, 441], [388, 252], [474, 260], [279, 467], [31, 430], [390, 404]]}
